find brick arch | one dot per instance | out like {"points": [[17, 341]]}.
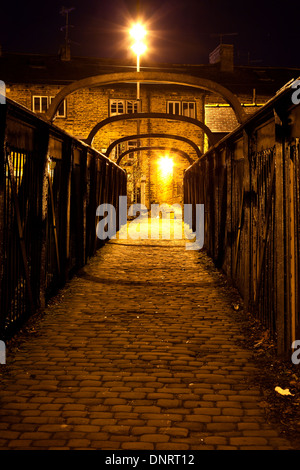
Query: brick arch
{"points": [[135, 116], [139, 149], [155, 136], [148, 77]]}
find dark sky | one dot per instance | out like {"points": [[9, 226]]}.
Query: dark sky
{"points": [[265, 32]]}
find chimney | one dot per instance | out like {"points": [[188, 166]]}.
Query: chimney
{"points": [[223, 55]]}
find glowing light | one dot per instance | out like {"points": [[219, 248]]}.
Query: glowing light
{"points": [[139, 48], [138, 32], [166, 166]]}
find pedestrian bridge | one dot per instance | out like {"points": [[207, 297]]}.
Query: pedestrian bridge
{"points": [[138, 346], [51, 185]]}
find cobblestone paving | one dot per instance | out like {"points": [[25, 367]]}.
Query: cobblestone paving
{"points": [[141, 353]]}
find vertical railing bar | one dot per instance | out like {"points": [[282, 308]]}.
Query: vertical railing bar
{"points": [[19, 227], [54, 223], [265, 229]]}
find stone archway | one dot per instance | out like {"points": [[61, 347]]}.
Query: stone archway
{"points": [[135, 116], [140, 149], [154, 136], [148, 77]]}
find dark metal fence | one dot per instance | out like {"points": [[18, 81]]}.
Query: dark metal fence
{"points": [[50, 187], [249, 184]]}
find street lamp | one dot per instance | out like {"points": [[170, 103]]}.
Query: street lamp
{"points": [[138, 33]]}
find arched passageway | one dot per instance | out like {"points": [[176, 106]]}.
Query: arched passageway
{"points": [[135, 116], [151, 78], [156, 136], [164, 149]]}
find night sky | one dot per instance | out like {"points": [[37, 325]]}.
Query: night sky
{"points": [[265, 33]]}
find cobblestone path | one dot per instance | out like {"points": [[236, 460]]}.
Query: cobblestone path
{"points": [[141, 352]]}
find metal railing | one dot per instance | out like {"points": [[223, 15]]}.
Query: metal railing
{"points": [[50, 187], [249, 184]]}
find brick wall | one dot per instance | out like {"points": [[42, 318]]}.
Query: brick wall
{"points": [[88, 106]]}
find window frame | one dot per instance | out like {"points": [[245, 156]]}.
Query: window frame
{"points": [[131, 144], [135, 106], [125, 103], [48, 100], [40, 98], [117, 101], [174, 103], [64, 104], [194, 109], [181, 104]]}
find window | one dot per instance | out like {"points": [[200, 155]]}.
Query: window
{"points": [[131, 144], [184, 108], [40, 104], [62, 109], [173, 107], [116, 107], [123, 147], [131, 106], [122, 106], [118, 150], [189, 109]]}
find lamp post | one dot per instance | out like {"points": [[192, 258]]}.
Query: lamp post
{"points": [[138, 33]]}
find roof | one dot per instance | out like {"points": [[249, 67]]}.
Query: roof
{"points": [[223, 119], [50, 69]]}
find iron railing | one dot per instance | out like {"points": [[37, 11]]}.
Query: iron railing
{"points": [[249, 184], [50, 187]]}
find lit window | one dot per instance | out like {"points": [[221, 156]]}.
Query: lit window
{"points": [[123, 147], [40, 104], [116, 107], [189, 109], [62, 109], [131, 144], [185, 108], [131, 106], [117, 150], [174, 107], [121, 106]]}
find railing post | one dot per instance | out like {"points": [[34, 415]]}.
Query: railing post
{"points": [[229, 236], [43, 212], [280, 237], [222, 209], [3, 109], [65, 210], [246, 220]]}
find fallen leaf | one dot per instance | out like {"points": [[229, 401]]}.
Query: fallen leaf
{"points": [[283, 392]]}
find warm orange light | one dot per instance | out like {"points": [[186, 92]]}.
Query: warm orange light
{"points": [[166, 166], [139, 48], [138, 32]]}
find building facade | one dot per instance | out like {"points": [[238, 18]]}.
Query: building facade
{"points": [[155, 155]]}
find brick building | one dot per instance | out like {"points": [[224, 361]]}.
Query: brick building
{"points": [[34, 81]]}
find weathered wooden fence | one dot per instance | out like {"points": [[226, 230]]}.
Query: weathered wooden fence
{"points": [[249, 184], [50, 187]]}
